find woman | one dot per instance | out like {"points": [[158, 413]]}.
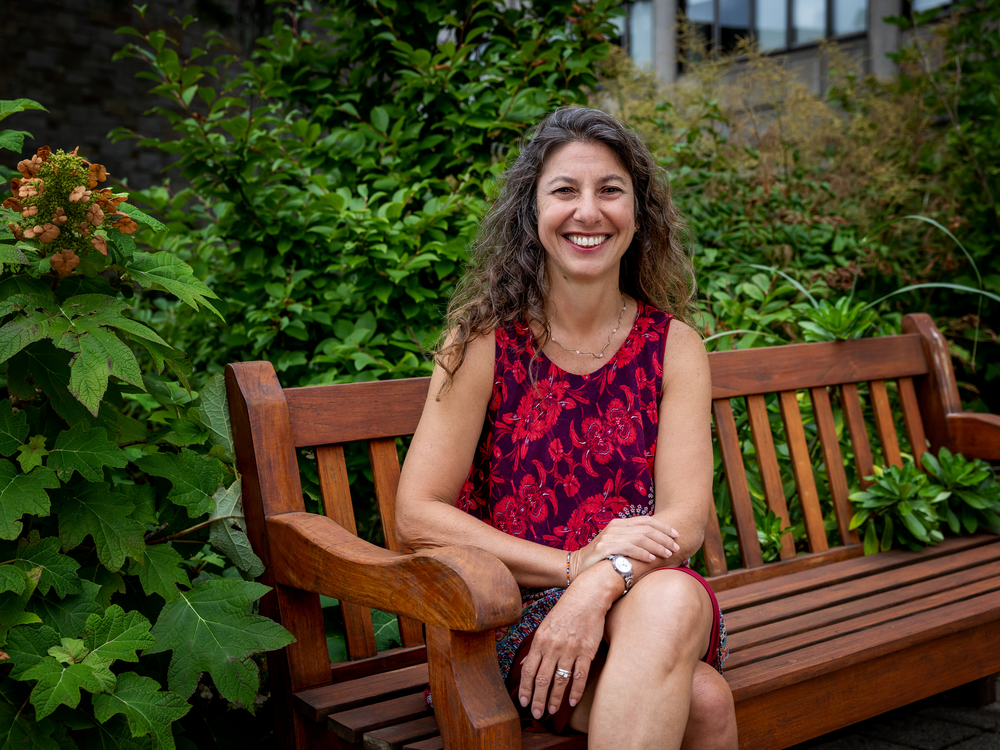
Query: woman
{"points": [[556, 372]]}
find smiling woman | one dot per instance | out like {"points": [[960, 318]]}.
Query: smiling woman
{"points": [[547, 454]]}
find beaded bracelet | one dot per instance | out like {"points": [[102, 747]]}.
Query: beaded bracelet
{"points": [[567, 569]]}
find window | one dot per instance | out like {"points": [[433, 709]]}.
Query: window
{"points": [[778, 24], [922, 5], [640, 32]]}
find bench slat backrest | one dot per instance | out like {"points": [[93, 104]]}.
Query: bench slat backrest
{"points": [[324, 418]]}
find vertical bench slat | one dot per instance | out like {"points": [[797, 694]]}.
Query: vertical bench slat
{"points": [[912, 419], [855, 418], [337, 505], [712, 548], [884, 424], [834, 462], [805, 482], [739, 493], [770, 474], [385, 471]]}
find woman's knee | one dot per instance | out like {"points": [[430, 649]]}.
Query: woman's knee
{"points": [[666, 604], [712, 719]]}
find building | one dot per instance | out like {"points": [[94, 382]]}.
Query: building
{"points": [[792, 28]]}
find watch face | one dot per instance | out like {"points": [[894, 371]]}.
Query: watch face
{"points": [[623, 565]]}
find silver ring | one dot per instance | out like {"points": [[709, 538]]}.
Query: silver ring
{"points": [[564, 673]]}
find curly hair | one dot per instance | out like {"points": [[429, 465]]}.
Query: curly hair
{"points": [[505, 276]]}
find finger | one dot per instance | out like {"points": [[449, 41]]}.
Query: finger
{"points": [[560, 680], [543, 681], [581, 672], [529, 666]]}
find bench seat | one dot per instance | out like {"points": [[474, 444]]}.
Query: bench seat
{"points": [[820, 638]]}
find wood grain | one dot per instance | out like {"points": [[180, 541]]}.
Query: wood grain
{"points": [[336, 492], [351, 725], [466, 685], [770, 474], [805, 482], [855, 418], [796, 367], [912, 419], [937, 390], [975, 435], [318, 703], [385, 471], [884, 424], [343, 413], [458, 587], [736, 479], [835, 476]]}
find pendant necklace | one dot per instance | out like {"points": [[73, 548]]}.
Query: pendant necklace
{"points": [[596, 355]]}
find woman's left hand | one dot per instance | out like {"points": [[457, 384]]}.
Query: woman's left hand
{"points": [[567, 640]]}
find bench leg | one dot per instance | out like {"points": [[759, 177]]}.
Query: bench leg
{"points": [[472, 708]]}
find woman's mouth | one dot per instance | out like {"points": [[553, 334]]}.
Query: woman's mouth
{"points": [[584, 240]]}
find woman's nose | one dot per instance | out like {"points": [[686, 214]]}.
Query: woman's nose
{"points": [[587, 209]]}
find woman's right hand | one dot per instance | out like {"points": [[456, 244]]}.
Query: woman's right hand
{"points": [[641, 538]]}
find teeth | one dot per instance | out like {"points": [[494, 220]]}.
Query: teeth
{"points": [[584, 241]]}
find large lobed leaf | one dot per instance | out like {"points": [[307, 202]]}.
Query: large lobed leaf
{"points": [[228, 533], [209, 630], [23, 493], [170, 274], [148, 709], [93, 509], [195, 478]]}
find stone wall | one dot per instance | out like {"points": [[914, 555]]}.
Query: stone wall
{"points": [[59, 53]]}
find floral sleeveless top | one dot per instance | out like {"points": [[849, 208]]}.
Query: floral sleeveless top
{"points": [[561, 455]]}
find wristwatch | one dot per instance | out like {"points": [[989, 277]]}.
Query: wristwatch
{"points": [[623, 567]]}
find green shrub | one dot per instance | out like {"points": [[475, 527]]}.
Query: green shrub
{"points": [[971, 490], [112, 482], [898, 508]]}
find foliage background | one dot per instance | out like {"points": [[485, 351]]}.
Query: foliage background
{"points": [[331, 182]]}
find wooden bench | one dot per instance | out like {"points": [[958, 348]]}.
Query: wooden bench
{"points": [[821, 638]]}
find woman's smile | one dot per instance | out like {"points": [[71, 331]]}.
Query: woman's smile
{"points": [[586, 213]]}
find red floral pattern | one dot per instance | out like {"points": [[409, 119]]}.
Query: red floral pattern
{"points": [[563, 454]]}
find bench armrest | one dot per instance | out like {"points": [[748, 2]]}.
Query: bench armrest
{"points": [[457, 588], [975, 435]]}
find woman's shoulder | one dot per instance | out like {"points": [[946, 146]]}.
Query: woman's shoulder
{"points": [[685, 354]]}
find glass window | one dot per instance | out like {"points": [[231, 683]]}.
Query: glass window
{"points": [[701, 13], [850, 16], [809, 20], [772, 24], [734, 22], [921, 5], [640, 32]]}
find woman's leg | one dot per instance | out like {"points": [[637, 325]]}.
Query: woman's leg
{"points": [[712, 720], [657, 635]]}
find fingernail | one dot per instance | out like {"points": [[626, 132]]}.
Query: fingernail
{"points": [[651, 557], [537, 713], [573, 701], [524, 701], [553, 709]]}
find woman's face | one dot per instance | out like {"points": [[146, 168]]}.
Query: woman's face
{"points": [[586, 212]]}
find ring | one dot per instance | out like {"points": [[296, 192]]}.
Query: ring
{"points": [[564, 673]]}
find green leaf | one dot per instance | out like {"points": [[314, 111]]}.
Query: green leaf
{"points": [[28, 646], [59, 685], [12, 140], [69, 616], [12, 607], [170, 274], [209, 630], [13, 254], [149, 710], [142, 217], [380, 119], [386, 629], [213, 412], [32, 453], [117, 635], [11, 106], [194, 478], [871, 539], [228, 535], [11, 579], [22, 493], [56, 569], [161, 571], [19, 729], [105, 516], [69, 651], [13, 428], [87, 450]]}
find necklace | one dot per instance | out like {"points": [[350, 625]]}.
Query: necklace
{"points": [[596, 355]]}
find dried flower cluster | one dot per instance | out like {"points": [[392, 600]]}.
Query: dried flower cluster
{"points": [[62, 211]]}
